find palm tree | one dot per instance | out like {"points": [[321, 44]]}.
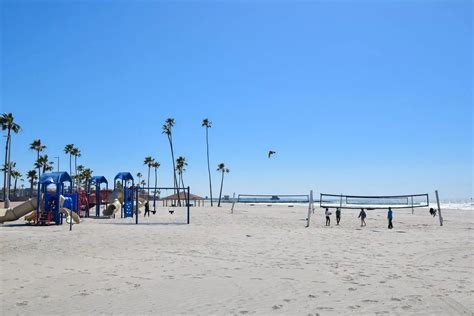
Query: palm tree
{"points": [[155, 165], [139, 176], [68, 151], [207, 124], [221, 168], [37, 146], [180, 168], [15, 175], [31, 175], [8, 123], [86, 175], [10, 168], [168, 130], [78, 176], [76, 153], [43, 163], [148, 161]]}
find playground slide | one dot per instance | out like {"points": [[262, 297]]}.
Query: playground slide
{"points": [[68, 213], [112, 208], [12, 214]]}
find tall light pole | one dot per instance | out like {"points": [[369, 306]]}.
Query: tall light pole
{"points": [[57, 157]]}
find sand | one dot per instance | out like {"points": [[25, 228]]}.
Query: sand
{"points": [[259, 260]]}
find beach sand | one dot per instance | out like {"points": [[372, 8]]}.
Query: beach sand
{"points": [[259, 260]]}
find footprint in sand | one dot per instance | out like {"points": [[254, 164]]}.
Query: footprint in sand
{"points": [[277, 306]]}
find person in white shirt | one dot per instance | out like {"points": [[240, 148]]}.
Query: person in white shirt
{"points": [[328, 218]]}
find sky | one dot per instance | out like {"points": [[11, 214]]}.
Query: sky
{"points": [[356, 97]]}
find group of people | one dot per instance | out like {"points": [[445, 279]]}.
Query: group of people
{"points": [[362, 216]]}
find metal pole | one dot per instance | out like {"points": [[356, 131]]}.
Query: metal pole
{"points": [[70, 215], [124, 199], [136, 204], [233, 203], [97, 199], [412, 208], [188, 205], [439, 209], [310, 207]]}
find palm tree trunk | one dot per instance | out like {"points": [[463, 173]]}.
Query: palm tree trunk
{"points": [[148, 185], [39, 168], [5, 171], [75, 172], [6, 196], [220, 193], [70, 164], [208, 165], [31, 187], [14, 187], [174, 169]]}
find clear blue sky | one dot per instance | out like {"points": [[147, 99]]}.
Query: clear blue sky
{"points": [[355, 97]]}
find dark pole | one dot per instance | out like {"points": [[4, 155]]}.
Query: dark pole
{"points": [[124, 198], [70, 214], [136, 204], [188, 205]]}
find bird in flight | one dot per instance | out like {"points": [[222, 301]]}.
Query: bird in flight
{"points": [[271, 153]]}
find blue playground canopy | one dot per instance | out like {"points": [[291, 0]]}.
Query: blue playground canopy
{"points": [[98, 180], [124, 176], [54, 177]]}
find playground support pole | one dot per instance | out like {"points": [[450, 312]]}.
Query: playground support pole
{"points": [[187, 202], [136, 204], [439, 209]]}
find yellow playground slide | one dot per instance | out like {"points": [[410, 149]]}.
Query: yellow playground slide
{"points": [[12, 214]]}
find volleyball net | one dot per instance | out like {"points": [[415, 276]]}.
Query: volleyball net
{"points": [[272, 198], [373, 202]]}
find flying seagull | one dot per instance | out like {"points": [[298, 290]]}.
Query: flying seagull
{"points": [[271, 153]]}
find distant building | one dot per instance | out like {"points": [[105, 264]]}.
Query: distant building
{"points": [[193, 199]]}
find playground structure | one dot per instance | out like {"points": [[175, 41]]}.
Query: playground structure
{"points": [[122, 196], [99, 196], [54, 203]]}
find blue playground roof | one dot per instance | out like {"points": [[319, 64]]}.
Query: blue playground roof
{"points": [[54, 177], [98, 179], [123, 176]]}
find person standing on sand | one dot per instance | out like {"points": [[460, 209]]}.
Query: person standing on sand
{"points": [[362, 216], [338, 216], [147, 209], [390, 217], [328, 218]]}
